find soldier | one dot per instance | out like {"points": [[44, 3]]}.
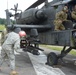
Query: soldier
{"points": [[60, 17], [3, 35], [73, 13], [11, 43]]}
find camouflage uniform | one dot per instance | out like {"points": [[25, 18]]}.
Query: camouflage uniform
{"points": [[11, 43], [60, 17], [73, 14], [3, 35]]}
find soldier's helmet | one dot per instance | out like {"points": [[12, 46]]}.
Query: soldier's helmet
{"points": [[22, 34]]}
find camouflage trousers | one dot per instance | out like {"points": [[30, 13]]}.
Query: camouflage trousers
{"points": [[9, 55], [58, 25]]}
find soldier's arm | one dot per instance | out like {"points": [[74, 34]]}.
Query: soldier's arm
{"points": [[59, 15], [65, 18], [73, 14], [17, 46]]}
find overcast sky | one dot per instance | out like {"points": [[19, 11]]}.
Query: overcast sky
{"points": [[22, 4]]}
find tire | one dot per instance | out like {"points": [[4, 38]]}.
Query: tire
{"points": [[52, 59]]}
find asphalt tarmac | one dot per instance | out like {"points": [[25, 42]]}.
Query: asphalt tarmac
{"points": [[23, 65], [29, 64], [69, 67]]}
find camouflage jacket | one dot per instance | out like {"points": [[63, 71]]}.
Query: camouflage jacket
{"points": [[12, 41], [61, 16]]}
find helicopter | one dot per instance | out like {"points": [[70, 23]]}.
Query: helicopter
{"points": [[39, 26]]}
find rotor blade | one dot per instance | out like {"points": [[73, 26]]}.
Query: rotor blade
{"points": [[36, 4], [61, 2]]}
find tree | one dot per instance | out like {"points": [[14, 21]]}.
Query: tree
{"points": [[2, 21]]}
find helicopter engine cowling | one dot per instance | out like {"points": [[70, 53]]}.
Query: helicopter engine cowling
{"points": [[31, 16]]}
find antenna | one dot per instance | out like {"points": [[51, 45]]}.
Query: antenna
{"points": [[7, 4], [8, 21]]}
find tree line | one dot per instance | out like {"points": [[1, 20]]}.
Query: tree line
{"points": [[3, 21]]}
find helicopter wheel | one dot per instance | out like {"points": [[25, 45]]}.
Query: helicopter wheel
{"points": [[52, 59]]}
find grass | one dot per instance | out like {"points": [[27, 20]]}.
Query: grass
{"points": [[58, 48], [2, 27]]}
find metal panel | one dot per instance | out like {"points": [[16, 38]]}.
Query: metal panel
{"points": [[56, 37]]}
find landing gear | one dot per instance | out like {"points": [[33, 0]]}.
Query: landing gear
{"points": [[52, 58]]}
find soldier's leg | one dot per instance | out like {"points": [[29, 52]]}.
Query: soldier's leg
{"points": [[11, 59], [11, 56], [2, 57], [57, 25], [62, 27]]}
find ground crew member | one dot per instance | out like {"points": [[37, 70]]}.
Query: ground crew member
{"points": [[11, 43], [22, 34], [60, 17], [3, 35], [23, 41]]}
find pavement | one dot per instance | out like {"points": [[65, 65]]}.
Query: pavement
{"points": [[29, 64], [69, 68], [22, 62]]}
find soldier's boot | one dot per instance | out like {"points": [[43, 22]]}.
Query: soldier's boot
{"points": [[14, 73]]}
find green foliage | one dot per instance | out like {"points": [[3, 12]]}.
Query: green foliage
{"points": [[2, 21], [58, 48]]}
